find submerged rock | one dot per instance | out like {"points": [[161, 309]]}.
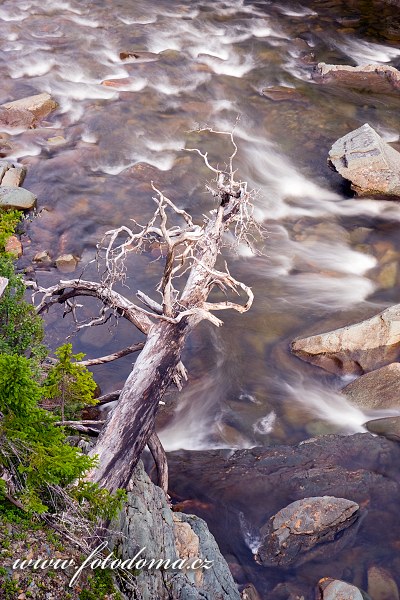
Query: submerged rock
{"points": [[377, 389], [16, 197], [381, 79], [305, 528], [281, 93], [355, 349], [334, 589], [66, 263], [381, 585], [388, 427], [146, 521], [368, 162]]}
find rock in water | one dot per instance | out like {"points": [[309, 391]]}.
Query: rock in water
{"points": [[381, 585], [294, 534], [388, 427], [16, 197], [334, 589], [368, 162], [355, 349], [377, 389], [26, 111], [380, 79]]}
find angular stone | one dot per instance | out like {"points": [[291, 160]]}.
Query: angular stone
{"points": [[16, 117], [39, 105], [66, 263], [381, 585], [13, 246], [380, 79], [355, 349], [3, 285], [388, 427], [376, 390], [14, 177], [334, 589], [16, 197], [292, 535], [42, 257], [368, 162]]}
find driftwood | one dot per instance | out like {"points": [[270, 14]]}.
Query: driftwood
{"points": [[191, 251]]}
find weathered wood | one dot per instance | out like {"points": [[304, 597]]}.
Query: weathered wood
{"points": [[160, 460], [3, 285]]}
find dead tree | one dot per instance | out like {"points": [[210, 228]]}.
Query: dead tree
{"points": [[190, 251]]}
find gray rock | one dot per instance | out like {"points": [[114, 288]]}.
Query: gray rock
{"points": [[377, 389], [381, 79], [148, 522], [355, 349], [16, 197], [293, 535], [368, 162], [388, 427], [334, 589]]}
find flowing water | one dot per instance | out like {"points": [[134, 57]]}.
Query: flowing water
{"points": [[328, 259]]}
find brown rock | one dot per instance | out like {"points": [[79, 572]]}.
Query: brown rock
{"points": [[381, 79], [66, 263], [39, 105], [381, 585], [250, 593], [368, 162], [42, 257], [377, 389], [388, 427], [138, 56], [355, 349], [26, 112], [14, 246], [293, 535], [281, 93]]}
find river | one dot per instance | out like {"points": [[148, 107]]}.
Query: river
{"points": [[326, 255]]}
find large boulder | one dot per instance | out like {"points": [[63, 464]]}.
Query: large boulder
{"points": [[376, 390], [381, 79], [357, 348], [293, 536], [147, 521], [368, 162]]}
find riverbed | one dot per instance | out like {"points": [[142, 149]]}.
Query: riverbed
{"points": [[327, 259]]}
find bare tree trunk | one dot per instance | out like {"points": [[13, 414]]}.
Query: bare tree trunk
{"points": [[190, 251], [125, 435]]}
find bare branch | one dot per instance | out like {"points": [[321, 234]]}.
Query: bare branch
{"points": [[110, 357]]}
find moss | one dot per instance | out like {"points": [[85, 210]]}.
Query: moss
{"points": [[100, 586]]}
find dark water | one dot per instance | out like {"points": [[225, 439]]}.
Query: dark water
{"points": [[320, 270]]}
